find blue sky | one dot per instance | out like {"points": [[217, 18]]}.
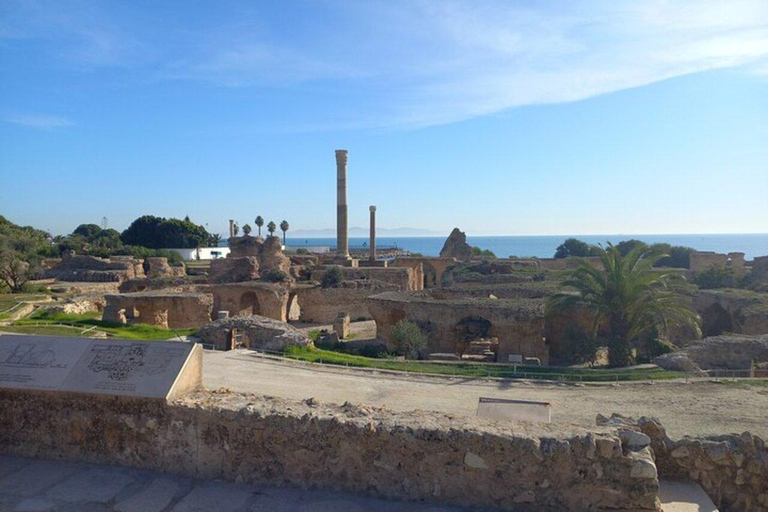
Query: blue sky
{"points": [[497, 117]]}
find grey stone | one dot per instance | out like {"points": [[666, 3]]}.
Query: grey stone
{"points": [[219, 497], [99, 485], [10, 464], [36, 477], [154, 498], [633, 440], [35, 505]]}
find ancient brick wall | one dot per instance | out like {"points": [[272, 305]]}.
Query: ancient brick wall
{"points": [[407, 456]]}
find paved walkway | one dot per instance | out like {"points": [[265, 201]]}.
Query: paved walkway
{"points": [[39, 486]]}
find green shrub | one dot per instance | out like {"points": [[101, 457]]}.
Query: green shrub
{"points": [[408, 339], [332, 277], [476, 251], [302, 251], [274, 275], [717, 276], [574, 247]]}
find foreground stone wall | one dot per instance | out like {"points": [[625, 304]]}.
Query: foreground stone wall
{"points": [[732, 469], [408, 456]]}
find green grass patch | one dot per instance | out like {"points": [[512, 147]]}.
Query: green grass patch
{"points": [[45, 330], [128, 331], [8, 300], [468, 369], [314, 335]]}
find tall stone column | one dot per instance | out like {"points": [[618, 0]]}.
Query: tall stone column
{"points": [[342, 240], [372, 241], [231, 227]]}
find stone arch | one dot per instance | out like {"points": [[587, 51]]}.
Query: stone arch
{"points": [[430, 275], [716, 320], [249, 304], [293, 310], [471, 329]]}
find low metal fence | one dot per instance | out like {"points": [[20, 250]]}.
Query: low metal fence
{"points": [[517, 372]]}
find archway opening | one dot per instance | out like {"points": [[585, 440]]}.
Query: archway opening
{"points": [[430, 275], [716, 321], [473, 339], [294, 309], [249, 304]]}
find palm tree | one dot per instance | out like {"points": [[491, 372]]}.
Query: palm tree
{"points": [[259, 222], [271, 227], [628, 297], [284, 227], [246, 230], [214, 240]]}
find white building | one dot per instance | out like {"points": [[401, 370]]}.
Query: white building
{"points": [[202, 253]]}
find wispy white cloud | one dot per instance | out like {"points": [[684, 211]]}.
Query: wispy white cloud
{"points": [[39, 121], [417, 63]]}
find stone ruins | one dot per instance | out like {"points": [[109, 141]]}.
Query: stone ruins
{"points": [[469, 308]]}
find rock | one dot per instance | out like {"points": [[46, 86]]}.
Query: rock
{"points": [[250, 258], [259, 333], [456, 246], [633, 440], [159, 267], [718, 352], [474, 461], [234, 270]]}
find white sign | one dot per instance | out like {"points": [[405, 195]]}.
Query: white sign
{"points": [[514, 410], [83, 365]]}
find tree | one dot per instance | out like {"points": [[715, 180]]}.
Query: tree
{"points": [[246, 230], [214, 240], [284, 227], [574, 247], [628, 297], [19, 260], [161, 233], [87, 231], [626, 246], [271, 227], [408, 339], [259, 222]]}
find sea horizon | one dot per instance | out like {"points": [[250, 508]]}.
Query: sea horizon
{"points": [[544, 246]]}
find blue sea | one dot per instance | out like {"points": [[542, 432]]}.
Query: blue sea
{"points": [[544, 246]]}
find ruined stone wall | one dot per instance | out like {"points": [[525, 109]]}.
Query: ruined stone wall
{"points": [[406, 456], [92, 269], [704, 260], [159, 267], [174, 311], [250, 298], [322, 305], [402, 278], [518, 324], [732, 311]]}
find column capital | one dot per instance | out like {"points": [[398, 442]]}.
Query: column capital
{"points": [[341, 156], [372, 209]]}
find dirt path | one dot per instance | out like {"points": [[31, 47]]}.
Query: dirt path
{"points": [[692, 409]]}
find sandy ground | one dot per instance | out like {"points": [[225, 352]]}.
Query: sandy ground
{"points": [[696, 408]]}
